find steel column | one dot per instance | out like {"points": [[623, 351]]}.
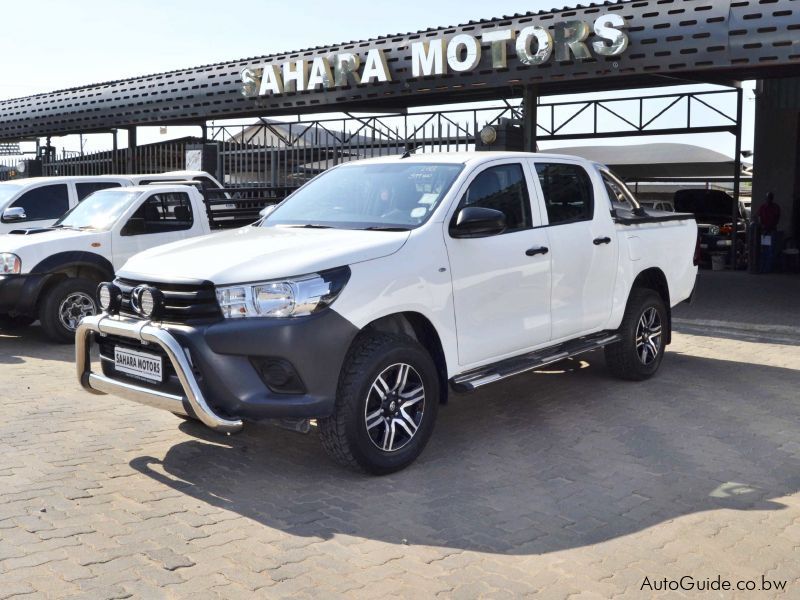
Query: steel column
{"points": [[114, 149], [130, 162], [530, 101], [737, 176]]}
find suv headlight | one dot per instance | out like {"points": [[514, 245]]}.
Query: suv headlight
{"points": [[292, 297], [10, 264]]}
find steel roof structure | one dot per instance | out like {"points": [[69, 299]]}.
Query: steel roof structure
{"points": [[670, 41]]}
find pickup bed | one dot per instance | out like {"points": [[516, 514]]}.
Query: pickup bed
{"points": [[380, 286]]}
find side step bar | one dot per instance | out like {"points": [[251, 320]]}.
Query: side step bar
{"points": [[466, 382]]}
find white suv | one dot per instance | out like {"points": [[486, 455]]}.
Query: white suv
{"points": [[39, 201], [380, 285]]}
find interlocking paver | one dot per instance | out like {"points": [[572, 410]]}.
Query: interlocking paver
{"points": [[559, 483]]}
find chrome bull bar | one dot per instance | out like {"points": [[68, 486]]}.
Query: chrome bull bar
{"points": [[145, 332]]}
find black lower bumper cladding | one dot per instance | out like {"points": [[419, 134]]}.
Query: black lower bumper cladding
{"points": [[213, 372]]}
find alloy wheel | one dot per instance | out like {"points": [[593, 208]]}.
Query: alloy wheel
{"points": [[648, 336], [395, 407]]}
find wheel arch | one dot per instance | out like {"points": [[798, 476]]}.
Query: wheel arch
{"points": [[653, 278], [418, 327], [72, 264]]}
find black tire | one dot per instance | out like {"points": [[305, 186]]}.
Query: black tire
{"points": [[633, 358], [13, 323], [51, 306], [345, 435]]}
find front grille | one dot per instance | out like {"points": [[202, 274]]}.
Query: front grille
{"points": [[183, 303]]}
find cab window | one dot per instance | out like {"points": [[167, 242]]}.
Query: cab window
{"points": [[44, 202], [161, 213], [567, 190], [501, 188]]}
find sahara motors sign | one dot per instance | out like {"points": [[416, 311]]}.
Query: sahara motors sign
{"points": [[532, 46]]}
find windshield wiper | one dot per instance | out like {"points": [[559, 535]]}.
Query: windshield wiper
{"points": [[74, 227], [385, 228], [312, 226]]}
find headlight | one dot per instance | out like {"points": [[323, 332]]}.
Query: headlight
{"points": [[295, 297], [713, 230], [10, 264]]}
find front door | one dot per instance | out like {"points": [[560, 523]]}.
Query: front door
{"points": [[42, 206], [160, 219], [501, 283]]}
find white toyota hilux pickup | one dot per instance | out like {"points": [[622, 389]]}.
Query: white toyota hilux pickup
{"points": [[51, 273], [379, 286]]}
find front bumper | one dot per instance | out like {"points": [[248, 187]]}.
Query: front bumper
{"points": [[20, 293], [215, 380]]}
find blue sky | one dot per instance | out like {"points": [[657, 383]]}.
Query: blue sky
{"points": [[50, 44]]}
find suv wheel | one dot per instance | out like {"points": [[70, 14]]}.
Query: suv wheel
{"points": [[638, 354], [386, 405], [65, 305]]}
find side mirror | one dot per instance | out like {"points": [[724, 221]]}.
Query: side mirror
{"points": [[16, 213], [267, 210], [475, 222]]}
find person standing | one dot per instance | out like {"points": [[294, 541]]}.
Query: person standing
{"points": [[769, 215]]}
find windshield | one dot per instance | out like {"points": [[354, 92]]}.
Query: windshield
{"points": [[368, 196], [7, 190], [99, 211]]}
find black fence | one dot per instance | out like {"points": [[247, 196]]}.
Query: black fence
{"points": [[11, 168], [153, 158]]}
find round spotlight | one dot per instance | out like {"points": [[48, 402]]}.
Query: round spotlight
{"points": [[488, 135], [109, 297], [104, 297], [147, 302]]}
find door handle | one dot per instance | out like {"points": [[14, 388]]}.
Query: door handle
{"points": [[535, 251], [602, 240]]}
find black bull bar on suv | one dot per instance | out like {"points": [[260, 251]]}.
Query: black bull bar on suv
{"points": [[146, 333]]}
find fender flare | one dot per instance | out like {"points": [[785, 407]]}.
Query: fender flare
{"points": [[75, 259]]}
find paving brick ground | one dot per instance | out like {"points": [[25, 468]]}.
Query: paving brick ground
{"points": [[560, 483]]}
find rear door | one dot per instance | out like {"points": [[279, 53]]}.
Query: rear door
{"points": [[160, 219], [501, 289], [583, 246]]}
